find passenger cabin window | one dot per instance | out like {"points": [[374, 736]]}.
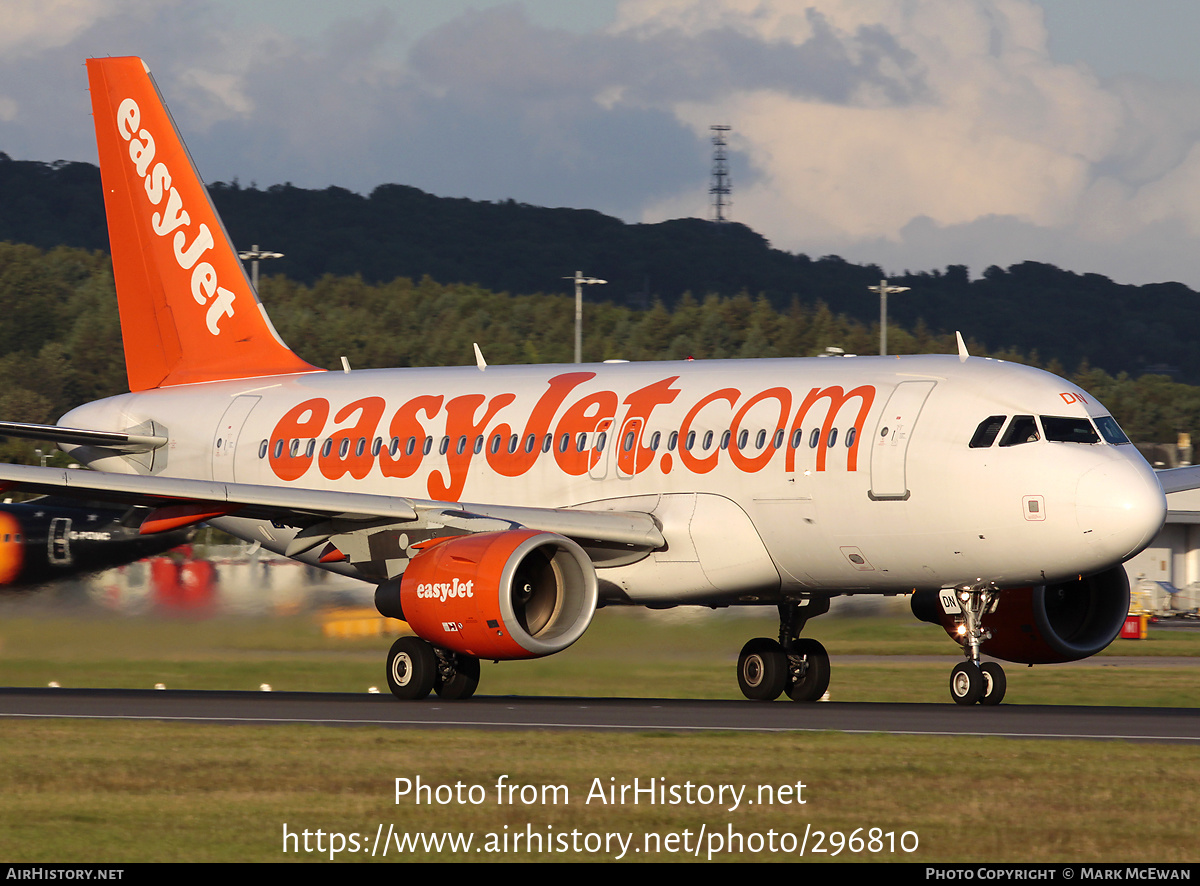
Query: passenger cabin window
{"points": [[1069, 430], [988, 430], [1023, 429]]}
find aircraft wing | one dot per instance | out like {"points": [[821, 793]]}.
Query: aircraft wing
{"points": [[1179, 479], [180, 502]]}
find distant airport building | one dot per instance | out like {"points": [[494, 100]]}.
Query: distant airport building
{"points": [[1164, 579]]}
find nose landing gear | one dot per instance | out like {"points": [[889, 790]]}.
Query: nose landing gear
{"points": [[973, 682]]}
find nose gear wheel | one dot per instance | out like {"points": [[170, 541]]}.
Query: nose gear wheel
{"points": [[972, 681]]}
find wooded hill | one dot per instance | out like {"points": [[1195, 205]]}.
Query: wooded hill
{"points": [[401, 232], [60, 342]]}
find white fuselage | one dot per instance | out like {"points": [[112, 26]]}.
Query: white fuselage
{"points": [[770, 478]]}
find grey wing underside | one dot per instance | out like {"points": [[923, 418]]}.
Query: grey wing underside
{"points": [[307, 508]]}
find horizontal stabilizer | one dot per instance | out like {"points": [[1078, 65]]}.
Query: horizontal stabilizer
{"points": [[116, 440]]}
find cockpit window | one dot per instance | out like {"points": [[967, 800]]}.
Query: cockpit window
{"points": [[1111, 430], [1023, 429], [1069, 430], [985, 434]]}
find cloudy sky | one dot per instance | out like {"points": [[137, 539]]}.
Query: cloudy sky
{"points": [[909, 133]]}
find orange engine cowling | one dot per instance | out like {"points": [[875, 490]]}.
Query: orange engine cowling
{"points": [[1045, 624], [499, 595]]}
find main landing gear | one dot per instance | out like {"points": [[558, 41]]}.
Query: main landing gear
{"points": [[971, 681], [800, 667], [415, 668]]}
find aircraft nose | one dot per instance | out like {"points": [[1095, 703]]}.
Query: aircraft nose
{"points": [[1120, 507]]}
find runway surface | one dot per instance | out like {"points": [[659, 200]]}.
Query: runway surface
{"points": [[344, 709]]}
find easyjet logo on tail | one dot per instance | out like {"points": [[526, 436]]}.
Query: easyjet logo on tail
{"points": [[188, 245]]}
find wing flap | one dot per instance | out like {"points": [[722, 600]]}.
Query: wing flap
{"points": [[631, 528]]}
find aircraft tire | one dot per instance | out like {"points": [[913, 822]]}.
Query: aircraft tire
{"points": [[762, 670], [464, 682], [994, 683], [411, 668], [815, 681], [966, 683]]}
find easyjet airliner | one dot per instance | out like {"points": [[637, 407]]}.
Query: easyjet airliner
{"points": [[496, 507]]}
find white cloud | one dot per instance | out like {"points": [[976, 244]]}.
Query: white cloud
{"points": [[32, 26], [996, 128], [913, 134]]}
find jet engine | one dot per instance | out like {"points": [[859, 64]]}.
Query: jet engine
{"points": [[506, 595], [1044, 624]]}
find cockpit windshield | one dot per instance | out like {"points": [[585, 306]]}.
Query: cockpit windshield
{"points": [[1069, 430], [1054, 428], [1111, 430], [986, 433], [1023, 429]]}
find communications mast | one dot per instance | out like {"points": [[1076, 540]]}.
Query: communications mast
{"points": [[720, 176]]}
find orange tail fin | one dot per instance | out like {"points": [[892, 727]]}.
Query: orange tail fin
{"points": [[188, 313]]}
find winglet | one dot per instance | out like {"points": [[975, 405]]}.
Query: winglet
{"points": [[188, 312]]}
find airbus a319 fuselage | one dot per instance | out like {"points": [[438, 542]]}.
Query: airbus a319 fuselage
{"points": [[769, 478], [497, 506]]}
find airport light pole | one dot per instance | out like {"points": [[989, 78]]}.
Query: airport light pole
{"points": [[884, 290], [254, 256], [580, 282]]}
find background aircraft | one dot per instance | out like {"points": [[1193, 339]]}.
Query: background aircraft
{"points": [[51, 538]]}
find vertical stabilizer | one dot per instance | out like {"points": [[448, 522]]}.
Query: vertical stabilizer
{"points": [[188, 312]]}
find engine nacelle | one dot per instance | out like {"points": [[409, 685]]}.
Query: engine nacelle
{"points": [[499, 595], [1045, 624]]}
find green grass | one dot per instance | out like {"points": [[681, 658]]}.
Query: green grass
{"points": [[625, 653], [121, 792]]}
